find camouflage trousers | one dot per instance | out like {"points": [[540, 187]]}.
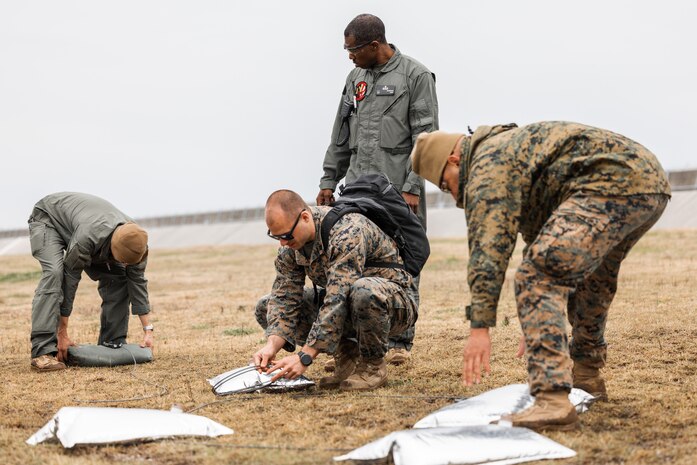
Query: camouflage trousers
{"points": [[378, 309], [574, 263]]}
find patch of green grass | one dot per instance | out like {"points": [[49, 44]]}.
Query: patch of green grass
{"points": [[239, 331], [202, 326], [19, 277]]}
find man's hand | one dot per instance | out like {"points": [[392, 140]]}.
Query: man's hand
{"points": [[266, 354], [476, 354], [412, 200], [325, 197], [148, 340], [64, 340], [521, 347], [291, 367]]}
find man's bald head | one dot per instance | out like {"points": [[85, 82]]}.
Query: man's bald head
{"points": [[289, 219], [285, 202]]}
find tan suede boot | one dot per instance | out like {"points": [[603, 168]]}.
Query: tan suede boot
{"points": [[369, 374], [589, 379], [330, 366], [551, 411], [397, 356], [345, 360], [46, 362]]}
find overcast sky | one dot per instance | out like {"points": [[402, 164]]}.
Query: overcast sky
{"points": [[167, 107]]}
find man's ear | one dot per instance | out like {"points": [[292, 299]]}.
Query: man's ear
{"points": [[454, 159]]}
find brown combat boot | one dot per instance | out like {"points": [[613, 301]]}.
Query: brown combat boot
{"points": [[46, 362], [345, 360], [397, 356], [330, 366], [369, 374], [589, 379], [551, 411]]}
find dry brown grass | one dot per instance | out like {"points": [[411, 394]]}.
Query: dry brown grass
{"points": [[203, 303]]}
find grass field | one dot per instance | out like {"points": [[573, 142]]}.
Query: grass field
{"points": [[203, 302]]}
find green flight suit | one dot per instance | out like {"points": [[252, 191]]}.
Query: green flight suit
{"points": [[71, 233], [394, 103], [399, 103]]}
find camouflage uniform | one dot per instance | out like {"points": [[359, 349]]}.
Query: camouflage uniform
{"points": [[367, 302], [395, 103], [71, 233], [581, 197]]}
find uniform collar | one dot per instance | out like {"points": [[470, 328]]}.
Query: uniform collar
{"points": [[392, 62]]}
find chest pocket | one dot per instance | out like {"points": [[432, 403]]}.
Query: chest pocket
{"points": [[395, 130]]}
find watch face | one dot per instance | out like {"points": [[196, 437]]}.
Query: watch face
{"points": [[305, 359]]}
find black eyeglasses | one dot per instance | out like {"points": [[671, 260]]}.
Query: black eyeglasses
{"points": [[357, 47], [286, 236]]}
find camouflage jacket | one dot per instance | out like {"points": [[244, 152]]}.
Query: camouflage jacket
{"points": [[353, 241], [85, 223], [512, 179]]}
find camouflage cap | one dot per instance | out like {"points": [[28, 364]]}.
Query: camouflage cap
{"points": [[430, 154], [129, 243]]}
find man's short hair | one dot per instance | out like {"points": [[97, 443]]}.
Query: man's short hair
{"points": [[288, 201], [366, 28]]}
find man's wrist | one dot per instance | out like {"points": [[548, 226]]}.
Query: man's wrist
{"points": [[149, 327]]}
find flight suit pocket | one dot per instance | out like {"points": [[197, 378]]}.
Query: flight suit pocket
{"points": [[395, 131], [421, 116], [37, 237], [353, 132]]}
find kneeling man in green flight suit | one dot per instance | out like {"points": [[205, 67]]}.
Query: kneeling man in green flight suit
{"points": [[71, 233], [581, 197]]}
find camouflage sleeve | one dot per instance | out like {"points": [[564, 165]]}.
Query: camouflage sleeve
{"points": [[493, 209], [346, 253], [286, 298], [337, 157], [138, 288], [423, 117]]}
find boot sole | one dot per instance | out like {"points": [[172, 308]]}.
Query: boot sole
{"points": [[552, 427]]}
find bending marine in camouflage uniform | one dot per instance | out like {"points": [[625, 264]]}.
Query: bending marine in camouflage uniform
{"points": [[356, 306], [581, 197], [388, 99], [71, 233]]}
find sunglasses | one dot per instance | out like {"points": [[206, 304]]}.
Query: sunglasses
{"points": [[357, 47], [286, 236], [444, 187]]}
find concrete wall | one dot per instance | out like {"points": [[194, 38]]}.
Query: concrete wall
{"points": [[446, 221]]}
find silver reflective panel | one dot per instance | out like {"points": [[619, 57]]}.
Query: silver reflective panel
{"points": [[247, 379], [493, 444], [104, 425], [492, 405]]}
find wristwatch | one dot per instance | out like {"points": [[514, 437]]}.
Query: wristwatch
{"points": [[148, 328], [305, 359]]}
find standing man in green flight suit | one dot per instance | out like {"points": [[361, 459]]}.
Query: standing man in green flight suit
{"points": [[388, 100], [71, 233], [581, 197]]}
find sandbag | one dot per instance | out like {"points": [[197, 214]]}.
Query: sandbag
{"points": [[106, 425], [99, 356]]}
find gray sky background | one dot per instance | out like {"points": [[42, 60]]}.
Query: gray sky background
{"points": [[167, 107]]}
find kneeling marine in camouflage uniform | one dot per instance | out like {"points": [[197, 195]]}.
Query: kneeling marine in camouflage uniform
{"points": [[354, 306], [581, 197]]}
